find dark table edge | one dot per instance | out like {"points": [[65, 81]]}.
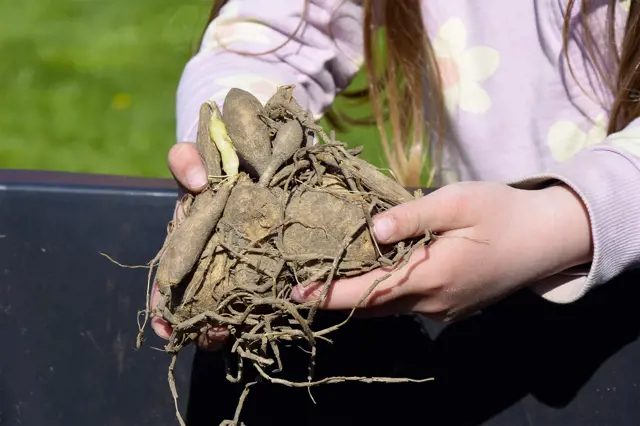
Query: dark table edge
{"points": [[54, 181]]}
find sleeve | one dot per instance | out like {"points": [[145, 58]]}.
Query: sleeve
{"points": [[607, 179], [259, 45]]}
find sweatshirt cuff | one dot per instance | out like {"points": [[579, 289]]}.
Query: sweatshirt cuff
{"points": [[607, 182]]}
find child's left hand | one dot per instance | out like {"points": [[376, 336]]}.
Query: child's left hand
{"points": [[494, 239]]}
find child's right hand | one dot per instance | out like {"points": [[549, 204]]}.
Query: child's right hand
{"points": [[188, 170]]}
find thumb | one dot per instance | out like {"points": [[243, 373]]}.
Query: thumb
{"points": [[186, 166], [439, 211]]}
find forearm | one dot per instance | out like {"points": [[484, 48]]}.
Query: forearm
{"points": [[606, 178], [569, 235]]}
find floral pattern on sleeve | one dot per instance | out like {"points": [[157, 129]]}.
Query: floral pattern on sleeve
{"points": [[230, 29], [626, 5], [566, 139], [463, 68]]}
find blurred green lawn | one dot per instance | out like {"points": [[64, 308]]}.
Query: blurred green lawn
{"points": [[89, 86]]}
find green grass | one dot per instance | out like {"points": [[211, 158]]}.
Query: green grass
{"points": [[89, 86]]}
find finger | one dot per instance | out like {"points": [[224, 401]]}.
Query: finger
{"points": [[347, 292], [439, 211], [186, 166], [159, 325], [401, 305], [213, 339]]}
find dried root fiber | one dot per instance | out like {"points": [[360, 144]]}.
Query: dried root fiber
{"points": [[286, 204]]}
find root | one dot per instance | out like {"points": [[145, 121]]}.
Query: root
{"points": [[236, 417], [112, 260], [405, 259], [147, 309], [174, 390], [334, 268], [339, 379]]}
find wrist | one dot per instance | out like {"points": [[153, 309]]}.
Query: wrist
{"points": [[567, 223]]}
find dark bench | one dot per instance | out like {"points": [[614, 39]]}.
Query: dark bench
{"points": [[68, 327]]}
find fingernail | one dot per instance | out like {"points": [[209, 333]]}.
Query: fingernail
{"points": [[383, 229], [196, 178], [296, 294], [217, 333]]}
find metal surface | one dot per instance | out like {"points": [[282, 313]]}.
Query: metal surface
{"points": [[67, 314], [68, 327]]}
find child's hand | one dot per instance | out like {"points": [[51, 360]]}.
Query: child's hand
{"points": [[188, 170], [187, 167], [494, 239]]}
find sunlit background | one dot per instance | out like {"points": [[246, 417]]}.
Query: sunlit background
{"points": [[89, 85]]}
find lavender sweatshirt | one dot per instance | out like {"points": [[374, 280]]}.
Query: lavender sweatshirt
{"points": [[517, 114]]}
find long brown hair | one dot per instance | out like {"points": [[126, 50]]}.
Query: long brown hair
{"points": [[404, 84]]}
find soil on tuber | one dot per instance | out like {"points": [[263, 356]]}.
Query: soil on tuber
{"points": [[286, 204]]}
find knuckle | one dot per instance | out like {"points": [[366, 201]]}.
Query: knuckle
{"points": [[455, 201], [207, 344], [438, 295], [406, 221], [437, 305]]}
